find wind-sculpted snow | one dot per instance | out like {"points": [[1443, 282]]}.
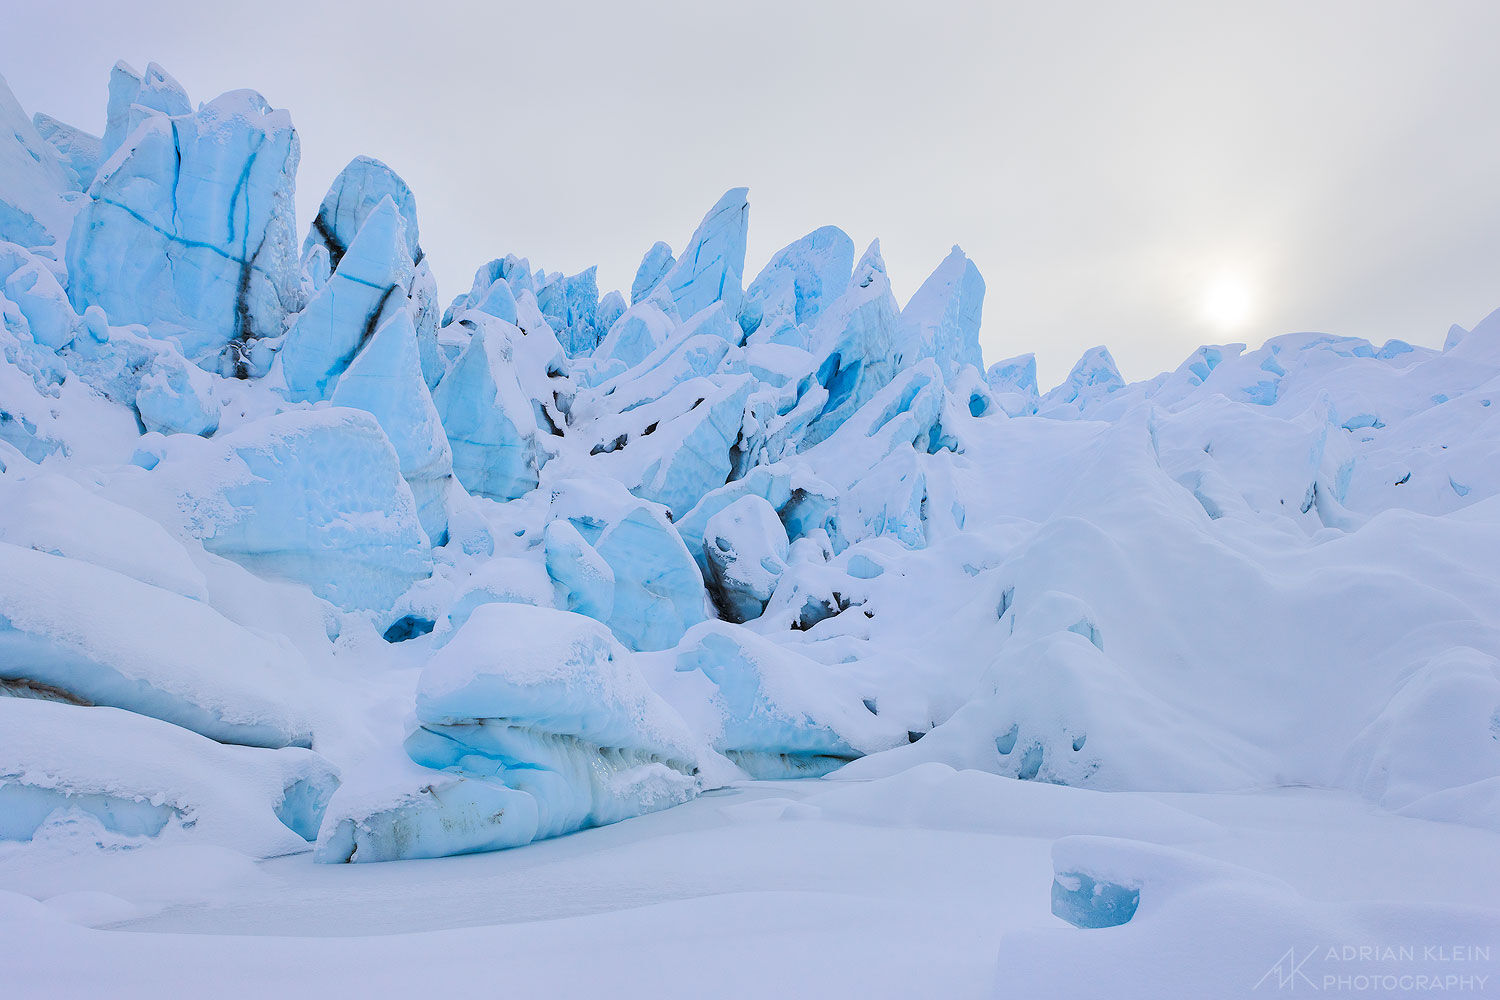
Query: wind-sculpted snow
{"points": [[133, 778], [74, 632], [642, 545]]}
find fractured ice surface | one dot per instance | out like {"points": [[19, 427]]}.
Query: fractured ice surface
{"points": [[187, 228]]}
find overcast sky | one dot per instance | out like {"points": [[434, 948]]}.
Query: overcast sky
{"points": [[1109, 167]]}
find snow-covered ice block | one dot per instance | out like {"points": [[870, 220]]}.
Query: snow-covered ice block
{"points": [[1013, 383], [570, 305], [1084, 901], [176, 397], [696, 448], [314, 496], [139, 778], [1094, 377], [634, 336], [499, 580], [79, 151], [75, 632], [774, 712], [801, 500], [31, 285], [1103, 881], [489, 420], [391, 809], [536, 723]]}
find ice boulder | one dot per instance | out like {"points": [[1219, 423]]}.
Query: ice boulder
{"points": [[550, 724], [745, 546], [365, 289], [711, 269], [386, 380], [584, 581], [1103, 881], [167, 393], [774, 712], [795, 285], [489, 420], [314, 496], [175, 397], [1013, 384], [659, 592], [127, 779], [30, 284], [391, 809], [941, 321], [78, 633], [695, 448], [188, 230], [802, 502]]}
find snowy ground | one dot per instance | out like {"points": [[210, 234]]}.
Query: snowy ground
{"points": [[930, 883]]}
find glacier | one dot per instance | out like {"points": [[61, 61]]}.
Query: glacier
{"points": [[295, 559]]}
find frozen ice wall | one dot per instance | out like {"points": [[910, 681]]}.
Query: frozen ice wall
{"points": [[553, 556]]}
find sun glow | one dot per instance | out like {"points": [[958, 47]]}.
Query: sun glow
{"points": [[1226, 302]]}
